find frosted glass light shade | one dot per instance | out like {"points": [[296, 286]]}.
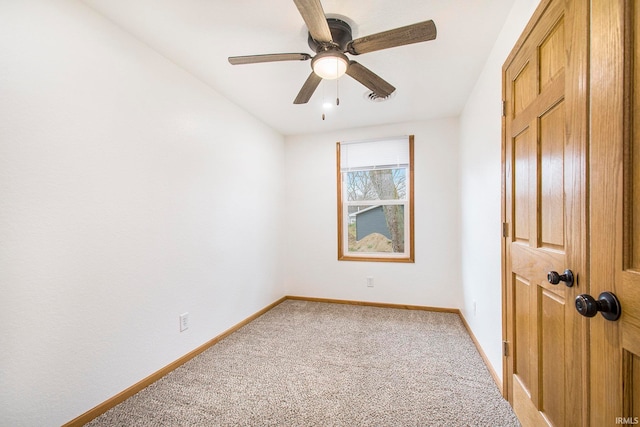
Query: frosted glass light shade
{"points": [[330, 65]]}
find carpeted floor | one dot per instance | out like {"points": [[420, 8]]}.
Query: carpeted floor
{"points": [[319, 364]]}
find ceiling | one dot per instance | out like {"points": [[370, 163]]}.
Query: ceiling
{"points": [[433, 79]]}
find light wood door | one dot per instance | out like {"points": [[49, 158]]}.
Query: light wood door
{"points": [[615, 210], [544, 149]]}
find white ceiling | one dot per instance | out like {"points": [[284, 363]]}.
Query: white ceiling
{"points": [[433, 79]]}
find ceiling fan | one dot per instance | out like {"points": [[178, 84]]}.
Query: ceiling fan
{"points": [[331, 39]]}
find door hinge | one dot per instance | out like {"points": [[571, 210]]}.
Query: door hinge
{"points": [[505, 229], [504, 108], [505, 348]]}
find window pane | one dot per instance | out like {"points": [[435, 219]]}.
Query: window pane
{"points": [[378, 228], [376, 184]]}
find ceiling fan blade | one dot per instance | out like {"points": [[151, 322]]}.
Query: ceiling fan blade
{"points": [[308, 88], [273, 57], [370, 79], [415, 33], [313, 15]]}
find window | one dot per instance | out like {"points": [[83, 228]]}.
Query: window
{"points": [[375, 200]]}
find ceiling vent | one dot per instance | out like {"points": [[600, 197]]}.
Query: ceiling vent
{"points": [[373, 97]]}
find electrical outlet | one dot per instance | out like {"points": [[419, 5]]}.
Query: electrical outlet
{"points": [[184, 322], [370, 282]]}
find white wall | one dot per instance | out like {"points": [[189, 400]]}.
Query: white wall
{"points": [[126, 198], [311, 265], [480, 171]]}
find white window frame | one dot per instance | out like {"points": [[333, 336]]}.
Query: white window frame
{"points": [[343, 211]]}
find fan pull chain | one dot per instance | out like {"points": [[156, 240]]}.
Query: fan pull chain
{"points": [[325, 104], [337, 86], [324, 98]]}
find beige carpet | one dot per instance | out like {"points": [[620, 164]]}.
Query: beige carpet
{"points": [[319, 364]]}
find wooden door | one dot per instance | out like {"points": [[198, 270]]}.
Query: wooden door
{"points": [[615, 210], [544, 149]]}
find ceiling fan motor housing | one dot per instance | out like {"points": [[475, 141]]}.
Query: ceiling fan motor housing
{"points": [[331, 39], [340, 33]]}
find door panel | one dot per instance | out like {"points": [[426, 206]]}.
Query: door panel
{"points": [[553, 350], [551, 55], [629, 236], [630, 241], [632, 390], [524, 89], [634, 142], [521, 169], [552, 177], [544, 187], [522, 328], [615, 232]]}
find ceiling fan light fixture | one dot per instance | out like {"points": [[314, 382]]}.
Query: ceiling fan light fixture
{"points": [[330, 64]]}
